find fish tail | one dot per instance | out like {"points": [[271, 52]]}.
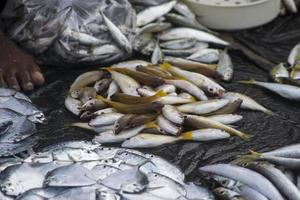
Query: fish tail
{"points": [[99, 97], [187, 135], [161, 93], [251, 81], [151, 125], [166, 66], [249, 158], [245, 136]]}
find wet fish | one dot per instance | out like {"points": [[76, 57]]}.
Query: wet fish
{"points": [[203, 107], [179, 44], [77, 193], [138, 120], [246, 176], [86, 79], [168, 126], [131, 64], [290, 151], [247, 102], [9, 149], [128, 99], [290, 6], [184, 10], [278, 179], [155, 27], [278, 72], [41, 193], [227, 194], [294, 54], [121, 123], [180, 33], [112, 89], [166, 88], [203, 122], [152, 13], [295, 72], [205, 55], [287, 91], [189, 87], [225, 66], [73, 105], [157, 55], [116, 33], [205, 69], [226, 118], [126, 83], [102, 85], [141, 41], [105, 119], [230, 108], [155, 72], [185, 52], [199, 80], [93, 104], [172, 114], [86, 94]]}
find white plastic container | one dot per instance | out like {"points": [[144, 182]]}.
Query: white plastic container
{"points": [[234, 14]]}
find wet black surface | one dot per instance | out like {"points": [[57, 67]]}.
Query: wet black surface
{"points": [[269, 131]]}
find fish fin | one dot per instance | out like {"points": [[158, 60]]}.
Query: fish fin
{"points": [[161, 93], [151, 125], [246, 136], [243, 160], [166, 66], [251, 81], [99, 97], [187, 135]]}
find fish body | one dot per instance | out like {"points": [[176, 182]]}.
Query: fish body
{"points": [[155, 27], [112, 89], [227, 194], [157, 55], [294, 54], [205, 135], [291, 6], [73, 105], [86, 79], [131, 64], [226, 118], [278, 72], [127, 84], [205, 55], [172, 114], [225, 66], [105, 119], [179, 44], [167, 126]]}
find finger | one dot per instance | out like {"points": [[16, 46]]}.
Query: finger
{"points": [[36, 75], [2, 82], [25, 80], [11, 80]]}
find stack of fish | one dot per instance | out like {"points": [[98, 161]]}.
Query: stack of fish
{"points": [[148, 106], [81, 170], [287, 80], [18, 118], [275, 175]]}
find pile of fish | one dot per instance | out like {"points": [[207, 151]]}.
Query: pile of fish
{"points": [[144, 105], [74, 32], [18, 119], [269, 175], [287, 80], [81, 170]]}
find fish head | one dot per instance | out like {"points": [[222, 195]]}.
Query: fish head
{"points": [[87, 115], [88, 105]]}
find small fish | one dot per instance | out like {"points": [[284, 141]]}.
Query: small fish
{"points": [[116, 33], [203, 107], [227, 194], [95, 129], [93, 104], [189, 87], [172, 114], [185, 95], [102, 85], [105, 110], [290, 6], [155, 27], [175, 100], [134, 109], [179, 44], [127, 84], [155, 71], [180, 33], [205, 55], [121, 123], [131, 64], [294, 54], [141, 41], [166, 88], [105, 119], [157, 55], [82, 38], [287, 91], [230, 108], [86, 79], [247, 102], [184, 10], [127, 99], [141, 77], [208, 134], [198, 79], [73, 105], [185, 52], [278, 72], [185, 64], [138, 120], [86, 94], [112, 89], [152, 13], [295, 72], [203, 122], [225, 66], [167, 126], [226, 118]]}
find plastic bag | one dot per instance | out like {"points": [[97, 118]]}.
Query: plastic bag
{"points": [[69, 32]]}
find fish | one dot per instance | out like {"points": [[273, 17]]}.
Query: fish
{"points": [[189, 87], [245, 176], [290, 6], [86, 79], [207, 134], [225, 66], [105, 119], [199, 80], [127, 84], [292, 59], [91, 128], [105, 110], [102, 85], [226, 118], [157, 55], [128, 99], [295, 72], [230, 108], [227, 194], [287, 91], [290, 151], [185, 52], [141, 77], [167, 126], [121, 123], [138, 120], [166, 88], [131, 64], [82, 37], [73, 105], [179, 44], [201, 36], [173, 114], [93, 104], [116, 34], [205, 55], [149, 47], [203, 122], [86, 94], [185, 64], [77, 193], [40, 193], [154, 27], [203, 107], [152, 13], [279, 72], [287, 187], [141, 41], [247, 102], [194, 191], [184, 10], [155, 71], [134, 109]]}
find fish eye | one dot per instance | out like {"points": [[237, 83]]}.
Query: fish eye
{"points": [[210, 89]]}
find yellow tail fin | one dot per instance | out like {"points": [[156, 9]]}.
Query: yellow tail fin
{"points": [[151, 125], [249, 158], [187, 135], [251, 81], [161, 93]]}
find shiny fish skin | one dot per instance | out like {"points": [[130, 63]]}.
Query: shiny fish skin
{"points": [[292, 59], [93, 104], [126, 83], [225, 66], [279, 72], [184, 10], [105, 119], [166, 88], [154, 27], [152, 13], [203, 107], [157, 55], [246, 176], [102, 85], [112, 89], [131, 64], [227, 194], [86, 79], [179, 44], [208, 134], [226, 118], [180, 33], [291, 6], [168, 126], [172, 114], [73, 105], [230, 108], [205, 55], [189, 87]]}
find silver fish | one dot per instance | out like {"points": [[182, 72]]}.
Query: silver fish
{"points": [[225, 66], [179, 44], [168, 126], [105, 119], [226, 118], [73, 105], [157, 55], [172, 114], [294, 54], [154, 27], [112, 89], [184, 10], [291, 6], [205, 55], [127, 84]]}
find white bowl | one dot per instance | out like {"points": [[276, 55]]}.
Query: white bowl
{"points": [[234, 14]]}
